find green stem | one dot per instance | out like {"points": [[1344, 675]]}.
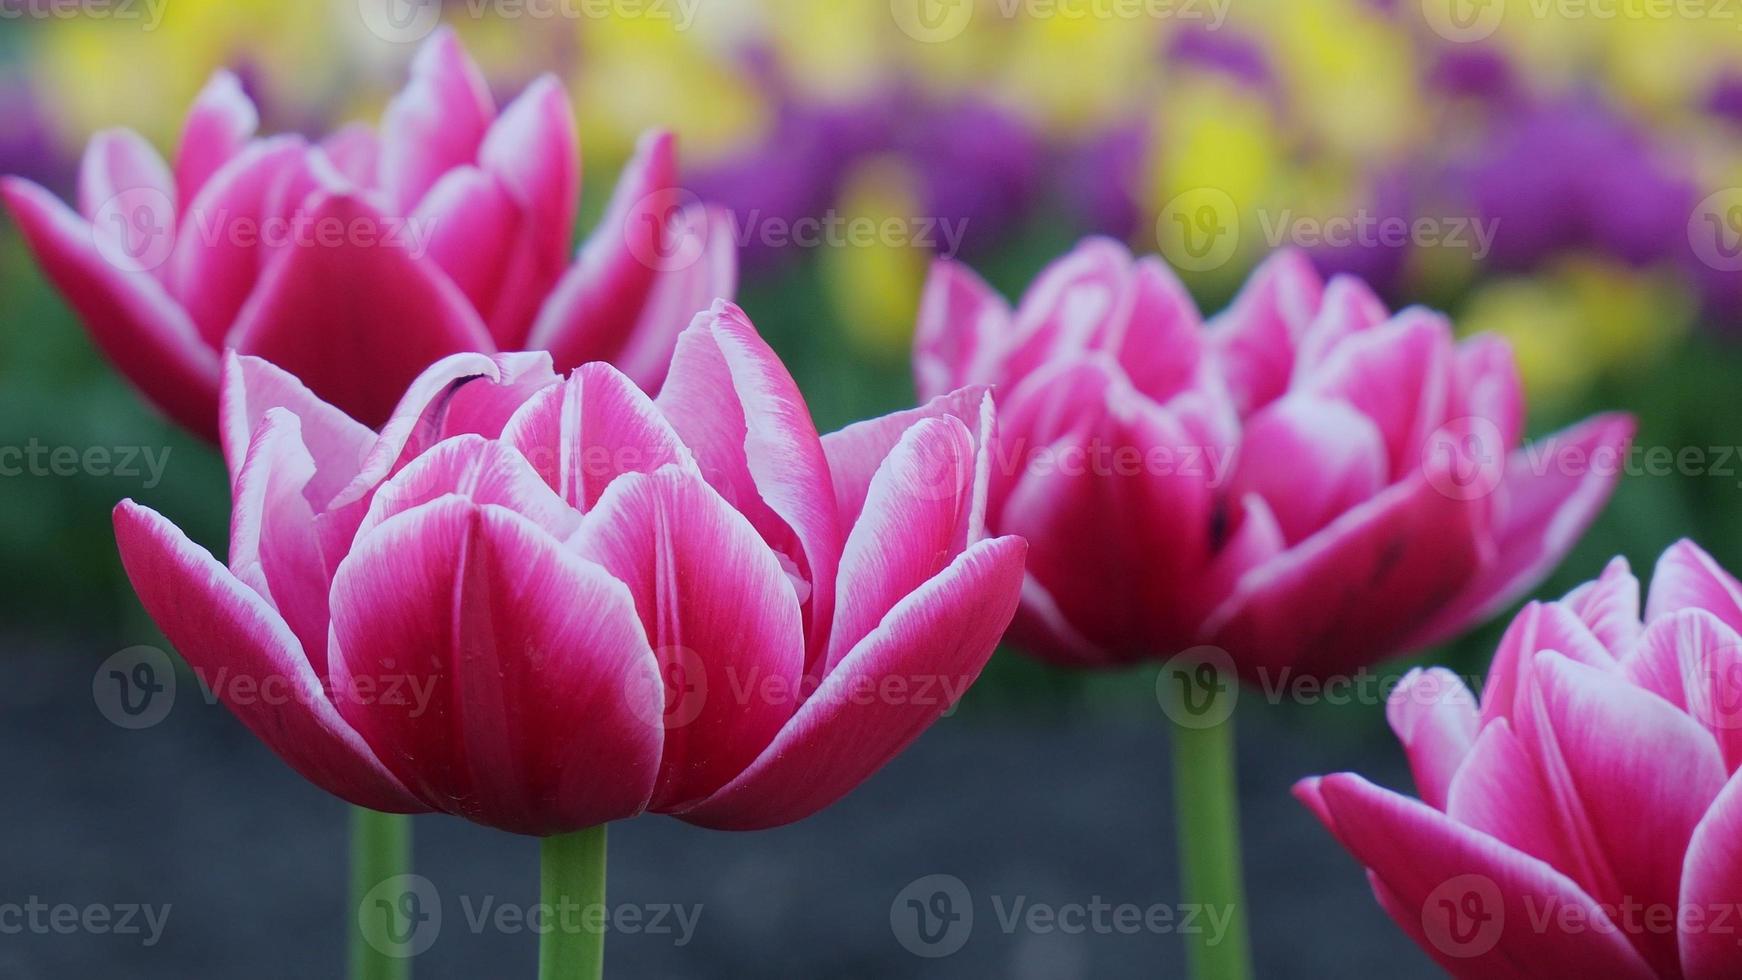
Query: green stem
{"points": [[572, 886], [1207, 812], [380, 850]]}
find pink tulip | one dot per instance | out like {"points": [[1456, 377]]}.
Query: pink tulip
{"points": [[1585, 819], [358, 261], [543, 604], [1309, 482]]}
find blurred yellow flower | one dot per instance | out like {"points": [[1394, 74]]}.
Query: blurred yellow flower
{"points": [[874, 274]]}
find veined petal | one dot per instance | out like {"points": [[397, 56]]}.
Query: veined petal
{"points": [[1255, 340], [721, 616], [1712, 886], [436, 123], [1434, 715], [856, 452], [1399, 375], [220, 123], [894, 684], [959, 335], [253, 387], [1686, 577], [678, 294], [230, 636], [1610, 607], [533, 696], [481, 470], [1693, 660], [1311, 459]]}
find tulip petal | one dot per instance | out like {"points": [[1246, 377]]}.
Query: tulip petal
{"points": [[1069, 304], [856, 452], [357, 316], [894, 684], [129, 315], [355, 154], [1498, 792], [1551, 493], [220, 251], [917, 515], [734, 404], [529, 697], [1686, 577], [1693, 660], [721, 616], [1539, 626], [1400, 376], [1629, 776], [1610, 607], [958, 334], [236, 641], [1311, 607], [1349, 307], [271, 550], [534, 153], [253, 387], [1161, 344], [582, 435], [594, 307], [1434, 716], [472, 225], [218, 126], [436, 123], [1489, 386], [679, 294], [481, 470], [1712, 889], [1311, 459], [1490, 928], [1255, 338], [118, 162]]}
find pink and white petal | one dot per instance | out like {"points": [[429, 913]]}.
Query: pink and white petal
{"points": [[436, 123], [1399, 375], [534, 153], [1349, 307], [1311, 459], [235, 641], [253, 387], [118, 162], [532, 692], [1539, 626], [358, 316], [1040, 628], [1161, 344], [1712, 889], [1489, 386], [1693, 660], [856, 452], [481, 470], [1350, 594], [271, 550], [220, 123], [1629, 776], [582, 435], [485, 405], [1119, 537], [355, 153], [917, 517], [1078, 300], [1434, 869], [220, 252], [471, 224], [961, 327], [597, 303], [677, 295], [733, 403], [721, 616], [130, 316], [1434, 715], [1610, 607], [1686, 577], [1550, 494], [1256, 539], [894, 684], [1256, 338], [1499, 792]]}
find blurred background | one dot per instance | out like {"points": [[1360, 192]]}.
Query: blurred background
{"points": [[1568, 174]]}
